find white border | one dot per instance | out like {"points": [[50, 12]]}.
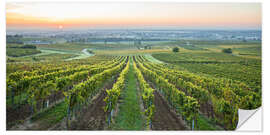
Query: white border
{"points": [[187, 1], [2, 66], [265, 71]]}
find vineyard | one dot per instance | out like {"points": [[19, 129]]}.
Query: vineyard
{"points": [[132, 66], [107, 92]]}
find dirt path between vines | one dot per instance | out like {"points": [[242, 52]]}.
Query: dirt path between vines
{"points": [[164, 118], [94, 117]]}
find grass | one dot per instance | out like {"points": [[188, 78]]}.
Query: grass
{"points": [[152, 59], [75, 54], [50, 54], [250, 50], [17, 99], [219, 65], [80, 46], [191, 47], [17, 52], [206, 124], [51, 116], [197, 56], [129, 116], [249, 74], [42, 58]]}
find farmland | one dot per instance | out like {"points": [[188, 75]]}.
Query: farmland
{"points": [[133, 66], [123, 86]]}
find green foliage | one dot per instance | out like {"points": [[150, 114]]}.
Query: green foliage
{"points": [[50, 116], [129, 116], [227, 50], [246, 74], [114, 93], [198, 57], [22, 46], [175, 49], [48, 80], [63, 77], [185, 105], [219, 81], [226, 95], [207, 124], [235, 73], [17, 52], [82, 91], [191, 47], [251, 100], [252, 51], [14, 39], [214, 42], [147, 94], [90, 51]]}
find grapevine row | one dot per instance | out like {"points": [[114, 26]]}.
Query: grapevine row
{"points": [[114, 93], [147, 95], [206, 100], [185, 105], [46, 68], [19, 86], [62, 83], [81, 93], [220, 87]]}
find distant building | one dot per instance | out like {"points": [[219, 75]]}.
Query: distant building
{"points": [[137, 42], [37, 42], [187, 43]]}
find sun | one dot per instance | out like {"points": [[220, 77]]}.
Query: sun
{"points": [[60, 27]]}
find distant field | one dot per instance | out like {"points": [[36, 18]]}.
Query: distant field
{"points": [[129, 51], [255, 51], [192, 47], [45, 57], [81, 46], [65, 46], [17, 50], [47, 54], [245, 73], [242, 67], [131, 42], [197, 57], [56, 40]]}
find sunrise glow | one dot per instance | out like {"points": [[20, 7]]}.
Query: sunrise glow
{"points": [[72, 15]]}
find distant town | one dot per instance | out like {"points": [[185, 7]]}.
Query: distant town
{"points": [[133, 36]]}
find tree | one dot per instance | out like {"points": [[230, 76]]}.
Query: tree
{"points": [[227, 50], [175, 49]]}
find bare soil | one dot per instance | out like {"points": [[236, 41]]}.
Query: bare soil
{"points": [[164, 118], [22, 113], [93, 116], [15, 115]]}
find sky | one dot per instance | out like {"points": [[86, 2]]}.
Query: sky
{"points": [[55, 15]]}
